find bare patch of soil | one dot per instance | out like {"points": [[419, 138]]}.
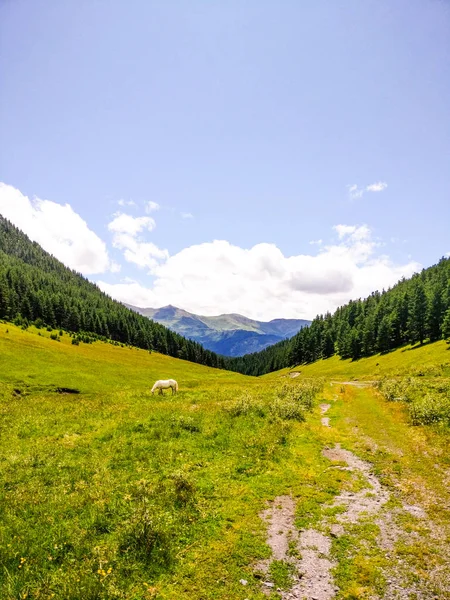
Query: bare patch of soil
{"points": [[312, 570], [400, 585], [356, 383], [363, 501]]}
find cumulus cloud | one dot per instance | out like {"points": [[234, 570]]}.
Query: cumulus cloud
{"points": [[123, 223], [187, 215], [260, 282], [356, 192], [58, 229], [126, 230], [377, 187]]}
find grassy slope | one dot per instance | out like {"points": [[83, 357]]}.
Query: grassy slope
{"points": [[432, 359], [33, 358], [165, 492], [117, 494]]}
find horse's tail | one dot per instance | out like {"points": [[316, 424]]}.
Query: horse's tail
{"points": [[176, 386]]}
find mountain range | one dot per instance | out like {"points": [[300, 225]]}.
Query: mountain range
{"points": [[229, 335]]}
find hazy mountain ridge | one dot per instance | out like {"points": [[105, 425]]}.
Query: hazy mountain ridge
{"points": [[228, 334]]}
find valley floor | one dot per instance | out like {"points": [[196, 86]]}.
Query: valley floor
{"points": [[221, 492]]}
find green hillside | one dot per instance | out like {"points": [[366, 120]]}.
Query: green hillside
{"points": [[37, 288], [414, 311], [430, 360], [112, 493]]}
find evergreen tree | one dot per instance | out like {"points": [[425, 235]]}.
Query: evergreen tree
{"points": [[446, 326], [384, 334], [435, 314], [418, 314]]}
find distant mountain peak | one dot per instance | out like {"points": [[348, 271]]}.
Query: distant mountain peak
{"points": [[229, 334]]}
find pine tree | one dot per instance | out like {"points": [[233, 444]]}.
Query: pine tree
{"points": [[418, 314], [446, 326], [384, 335], [434, 314]]}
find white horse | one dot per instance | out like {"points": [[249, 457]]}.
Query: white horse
{"points": [[164, 384]]}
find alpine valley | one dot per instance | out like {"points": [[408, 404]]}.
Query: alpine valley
{"points": [[229, 335]]}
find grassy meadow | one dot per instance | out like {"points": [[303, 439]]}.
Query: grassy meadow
{"points": [[429, 360], [112, 493]]}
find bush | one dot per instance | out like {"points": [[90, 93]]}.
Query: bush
{"points": [[430, 409], [75, 342], [54, 336], [287, 408], [243, 405], [428, 399]]}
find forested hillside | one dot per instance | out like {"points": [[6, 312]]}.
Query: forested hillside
{"points": [[35, 287], [413, 311]]}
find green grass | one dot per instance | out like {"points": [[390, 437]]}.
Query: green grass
{"points": [[113, 493], [432, 360]]}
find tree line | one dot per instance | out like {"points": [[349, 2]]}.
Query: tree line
{"points": [[36, 288], [414, 310]]}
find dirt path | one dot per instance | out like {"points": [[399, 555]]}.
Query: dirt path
{"points": [[325, 420], [372, 505], [355, 383]]}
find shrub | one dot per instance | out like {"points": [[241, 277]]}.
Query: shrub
{"points": [[75, 342], [287, 408], [430, 409], [243, 405], [428, 399], [54, 336]]}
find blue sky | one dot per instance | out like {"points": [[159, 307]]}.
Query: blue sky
{"points": [[249, 123]]}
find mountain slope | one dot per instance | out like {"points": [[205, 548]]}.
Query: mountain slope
{"points": [[413, 311], [228, 334], [35, 287]]}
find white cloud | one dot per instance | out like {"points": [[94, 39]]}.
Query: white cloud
{"points": [[356, 192], [151, 206], [187, 215], [260, 282], [123, 202], [377, 187], [316, 242], [123, 223], [142, 254], [344, 230], [58, 229], [125, 229]]}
